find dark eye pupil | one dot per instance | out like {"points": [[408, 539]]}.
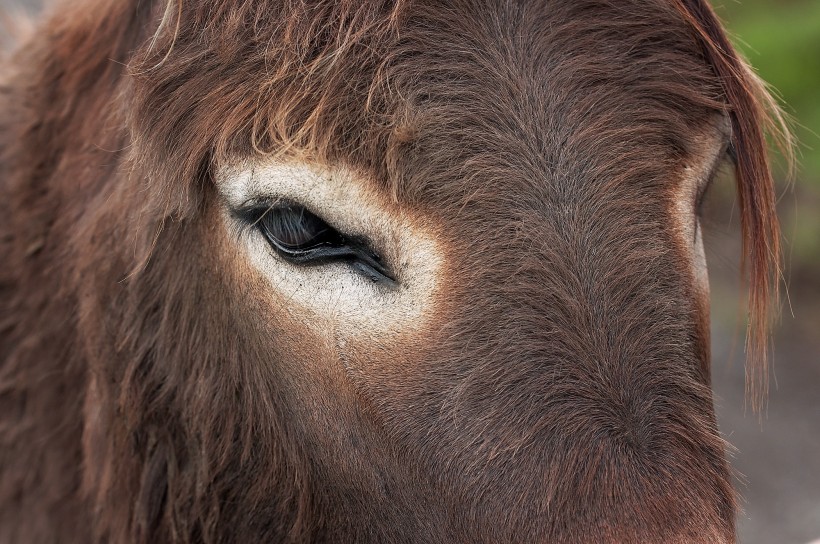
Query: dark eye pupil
{"points": [[295, 228]]}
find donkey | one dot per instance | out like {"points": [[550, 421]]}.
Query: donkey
{"points": [[368, 271]]}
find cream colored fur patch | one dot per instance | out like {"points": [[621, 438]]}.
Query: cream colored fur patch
{"points": [[335, 295]]}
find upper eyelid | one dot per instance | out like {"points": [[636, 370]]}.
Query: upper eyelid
{"points": [[252, 205], [255, 203]]}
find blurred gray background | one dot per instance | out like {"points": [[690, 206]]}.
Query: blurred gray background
{"points": [[777, 461]]}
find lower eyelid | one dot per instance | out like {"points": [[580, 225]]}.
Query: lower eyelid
{"points": [[353, 255]]}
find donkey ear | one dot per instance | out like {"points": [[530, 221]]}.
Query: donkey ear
{"points": [[753, 113]]}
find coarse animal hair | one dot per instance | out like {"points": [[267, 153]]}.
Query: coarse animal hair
{"points": [[148, 390]]}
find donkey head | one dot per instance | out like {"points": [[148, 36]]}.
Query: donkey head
{"points": [[364, 271]]}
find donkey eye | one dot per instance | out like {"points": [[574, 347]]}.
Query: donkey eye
{"points": [[301, 237], [294, 229]]}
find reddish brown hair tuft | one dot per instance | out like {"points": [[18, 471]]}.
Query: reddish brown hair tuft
{"points": [[753, 112]]}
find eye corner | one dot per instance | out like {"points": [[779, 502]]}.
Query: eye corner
{"points": [[384, 277]]}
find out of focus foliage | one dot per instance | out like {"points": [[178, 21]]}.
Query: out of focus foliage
{"points": [[781, 39]]}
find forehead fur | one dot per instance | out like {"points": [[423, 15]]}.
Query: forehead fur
{"points": [[379, 86]]}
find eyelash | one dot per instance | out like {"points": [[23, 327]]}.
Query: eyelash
{"points": [[300, 237]]}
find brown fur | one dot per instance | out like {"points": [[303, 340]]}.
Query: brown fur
{"points": [[149, 393]]}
